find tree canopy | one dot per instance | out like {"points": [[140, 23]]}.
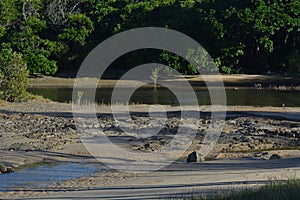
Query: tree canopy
{"points": [[242, 36]]}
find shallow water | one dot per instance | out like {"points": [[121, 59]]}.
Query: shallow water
{"points": [[44, 175], [248, 97]]}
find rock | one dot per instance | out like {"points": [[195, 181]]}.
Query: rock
{"points": [[258, 154], [267, 156], [9, 170], [232, 122], [195, 157], [152, 146], [2, 169], [264, 155], [275, 157], [5, 170]]}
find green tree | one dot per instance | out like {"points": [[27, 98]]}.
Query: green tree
{"points": [[8, 15], [252, 36], [14, 75]]}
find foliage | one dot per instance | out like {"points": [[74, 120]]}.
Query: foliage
{"points": [[174, 61], [36, 50], [155, 75], [274, 190], [201, 59], [14, 75], [79, 97], [44, 32], [250, 36], [78, 28]]}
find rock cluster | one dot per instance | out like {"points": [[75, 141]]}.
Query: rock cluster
{"points": [[5, 170], [26, 132], [253, 133], [267, 156], [29, 132]]}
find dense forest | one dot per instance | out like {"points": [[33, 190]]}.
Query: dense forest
{"points": [[242, 36]]}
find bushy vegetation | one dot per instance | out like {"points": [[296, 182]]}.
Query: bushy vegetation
{"points": [[13, 75], [250, 36], [274, 190]]}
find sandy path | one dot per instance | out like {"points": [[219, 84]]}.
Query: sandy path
{"points": [[181, 178]]}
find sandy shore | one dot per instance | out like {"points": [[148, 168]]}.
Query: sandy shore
{"points": [[172, 181], [235, 81], [40, 131], [231, 164]]}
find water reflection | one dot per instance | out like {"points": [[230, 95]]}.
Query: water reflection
{"points": [[248, 97]]}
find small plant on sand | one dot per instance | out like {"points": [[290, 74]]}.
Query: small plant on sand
{"points": [[155, 75], [13, 75], [79, 97]]}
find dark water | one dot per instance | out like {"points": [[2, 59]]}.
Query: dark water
{"points": [[43, 175], [248, 97]]}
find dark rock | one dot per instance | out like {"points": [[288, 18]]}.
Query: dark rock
{"points": [[192, 157], [265, 154], [5, 170], [195, 157], [275, 156], [9, 169], [152, 146], [2, 169]]}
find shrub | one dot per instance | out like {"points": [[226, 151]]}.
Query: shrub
{"points": [[14, 75]]}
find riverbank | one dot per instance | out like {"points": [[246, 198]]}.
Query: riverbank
{"points": [[42, 125], [234, 81], [42, 131]]}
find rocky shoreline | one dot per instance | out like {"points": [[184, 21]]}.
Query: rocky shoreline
{"points": [[41, 131], [49, 130]]}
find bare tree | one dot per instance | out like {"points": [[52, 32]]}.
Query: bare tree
{"points": [[58, 10], [29, 9]]}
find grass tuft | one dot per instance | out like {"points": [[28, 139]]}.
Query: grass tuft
{"points": [[273, 190]]}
